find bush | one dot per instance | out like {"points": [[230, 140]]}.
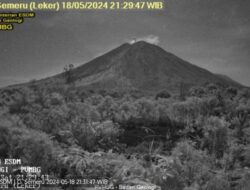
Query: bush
{"points": [[197, 91], [32, 147], [190, 165], [163, 94], [216, 136], [218, 183], [93, 137]]}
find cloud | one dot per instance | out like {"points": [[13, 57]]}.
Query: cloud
{"points": [[152, 39]]}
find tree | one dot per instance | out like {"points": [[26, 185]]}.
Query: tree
{"points": [[107, 108], [68, 73], [231, 92], [182, 91], [197, 91], [215, 136], [241, 121]]}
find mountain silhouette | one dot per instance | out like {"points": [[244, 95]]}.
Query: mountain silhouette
{"points": [[140, 66], [143, 66]]}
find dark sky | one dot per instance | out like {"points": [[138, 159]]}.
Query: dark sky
{"points": [[213, 34]]}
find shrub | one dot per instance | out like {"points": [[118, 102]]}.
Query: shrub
{"points": [[107, 108], [96, 136], [197, 91], [163, 94], [32, 147], [216, 136], [191, 165], [218, 183]]}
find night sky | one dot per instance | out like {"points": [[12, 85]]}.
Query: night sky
{"points": [[213, 34]]}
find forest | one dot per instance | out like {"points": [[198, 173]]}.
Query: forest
{"points": [[197, 140]]}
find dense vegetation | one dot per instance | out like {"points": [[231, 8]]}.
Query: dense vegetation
{"points": [[197, 142]]}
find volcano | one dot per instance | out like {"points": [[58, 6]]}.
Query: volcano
{"points": [[140, 66], [143, 66]]}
